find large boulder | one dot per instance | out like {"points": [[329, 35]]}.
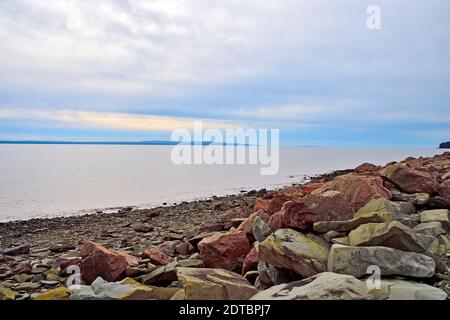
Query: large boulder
{"points": [[410, 180], [444, 189], [224, 250], [214, 284], [356, 261], [407, 290], [330, 205], [357, 189], [99, 261], [433, 228], [247, 225], [348, 225], [304, 254], [323, 286], [393, 234], [157, 257], [437, 215], [250, 261], [260, 229]]}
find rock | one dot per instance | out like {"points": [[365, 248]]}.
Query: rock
{"points": [[142, 227], [250, 261], [356, 261], [270, 275], [60, 293], [247, 225], [309, 187], [224, 250], [261, 204], [433, 228], [20, 278], [418, 199], [28, 286], [409, 220], [349, 225], [276, 221], [58, 248], [330, 235], [277, 202], [323, 286], [157, 257], [444, 145], [109, 264], [437, 202], [396, 209], [261, 230], [357, 190], [214, 284], [440, 215], [15, 251], [444, 189], [7, 294], [163, 274], [64, 262], [127, 289], [343, 240], [394, 235], [295, 251], [407, 290], [326, 206], [410, 180], [366, 168]]}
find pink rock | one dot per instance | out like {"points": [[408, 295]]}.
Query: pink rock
{"points": [[276, 221], [410, 180], [358, 190], [247, 225], [311, 186], [99, 261], [224, 250], [261, 204], [251, 261], [327, 206], [367, 168], [157, 257], [444, 189], [276, 203]]}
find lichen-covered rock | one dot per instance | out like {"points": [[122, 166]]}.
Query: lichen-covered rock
{"points": [[356, 261], [348, 225], [323, 286], [440, 215], [261, 229], [407, 290], [7, 294], [60, 293], [330, 205], [433, 228], [393, 234], [289, 249], [225, 250], [396, 209], [214, 284]]}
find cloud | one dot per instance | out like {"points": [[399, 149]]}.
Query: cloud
{"points": [[113, 120]]}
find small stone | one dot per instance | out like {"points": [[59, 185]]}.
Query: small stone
{"points": [[28, 286], [7, 294], [15, 251], [58, 248], [20, 278]]}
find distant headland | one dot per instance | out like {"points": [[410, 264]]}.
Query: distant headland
{"points": [[445, 145]]}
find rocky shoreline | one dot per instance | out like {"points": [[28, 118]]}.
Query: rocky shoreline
{"points": [[319, 240]]}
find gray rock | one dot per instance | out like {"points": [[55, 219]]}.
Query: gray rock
{"points": [[323, 286], [418, 199], [356, 261], [349, 225], [383, 205], [439, 215], [15, 251], [260, 229], [433, 228], [407, 290]]}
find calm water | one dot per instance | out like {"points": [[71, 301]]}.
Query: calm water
{"points": [[54, 180]]}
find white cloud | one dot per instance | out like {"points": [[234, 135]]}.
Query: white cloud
{"points": [[112, 120]]}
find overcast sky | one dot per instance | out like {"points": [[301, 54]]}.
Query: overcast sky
{"points": [[138, 69]]}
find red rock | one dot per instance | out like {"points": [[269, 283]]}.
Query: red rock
{"points": [[444, 189], [157, 257], [224, 250], [276, 203], [247, 225], [261, 204], [327, 206], [410, 180], [367, 168], [251, 261], [211, 226], [311, 186], [99, 261], [276, 221], [358, 190], [445, 176]]}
